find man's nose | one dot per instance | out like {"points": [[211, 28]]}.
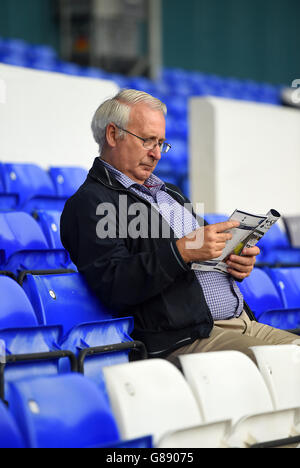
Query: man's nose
{"points": [[155, 153]]}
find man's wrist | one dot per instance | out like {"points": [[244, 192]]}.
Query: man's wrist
{"points": [[184, 252]]}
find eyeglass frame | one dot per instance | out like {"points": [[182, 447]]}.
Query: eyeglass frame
{"points": [[145, 139]]}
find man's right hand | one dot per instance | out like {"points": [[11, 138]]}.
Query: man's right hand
{"points": [[206, 242]]}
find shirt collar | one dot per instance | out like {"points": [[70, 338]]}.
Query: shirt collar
{"points": [[152, 182]]}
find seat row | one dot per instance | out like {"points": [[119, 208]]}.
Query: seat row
{"points": [[29, 187], [32, 243], [220, 399], [57, 316], [172, 81]]}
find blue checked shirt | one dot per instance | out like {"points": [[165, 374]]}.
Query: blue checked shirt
{"points": [[221, 292]]}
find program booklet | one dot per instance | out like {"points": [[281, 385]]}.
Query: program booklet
{"points": [[251, 229]]}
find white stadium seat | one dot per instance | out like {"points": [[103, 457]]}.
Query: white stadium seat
{"points": [[228, 385], [280, 367], [152, 397]]}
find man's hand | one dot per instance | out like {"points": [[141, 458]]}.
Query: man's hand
{"points": [[206, 242], [241, 266]]}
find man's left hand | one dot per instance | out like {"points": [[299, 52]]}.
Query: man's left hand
{"points": [[240, 266]]}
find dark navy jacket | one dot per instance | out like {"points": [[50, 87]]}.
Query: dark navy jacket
{"points": [[142, 277]]}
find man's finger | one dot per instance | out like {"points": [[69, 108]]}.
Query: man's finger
{"points": [[225, 225]]}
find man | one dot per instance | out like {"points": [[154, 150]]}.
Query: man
{"points": [[133, 239]]}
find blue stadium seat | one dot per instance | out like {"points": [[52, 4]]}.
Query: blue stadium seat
{"points": [[165, 171], [87, 324], [83, 340], [7, 202], [63, 299], [10, 436], [33, 351], [16, 309], [276, 249], [213, 218], [32, 187], [287, 282], [67, 180], [178, 156], [265, 302], [26, 348], [69, 68], [49, 221], [66, 411], [42, 52], [42, 57], [43, 64], [23, 245], [177, 106], [14, 45], [260, 293], [141, 84], [14, 59]]}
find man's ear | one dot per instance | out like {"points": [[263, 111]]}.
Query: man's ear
{"points": [[111, 135]]}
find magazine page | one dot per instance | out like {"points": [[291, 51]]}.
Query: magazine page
{"points": [[251, 229]]}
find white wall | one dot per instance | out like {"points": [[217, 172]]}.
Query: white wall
{"points": [[244, 155], [45, 117]]}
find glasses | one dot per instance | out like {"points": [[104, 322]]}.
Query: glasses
{"points": [[150, 143]]}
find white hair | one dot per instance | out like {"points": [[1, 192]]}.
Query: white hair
{"points": [[117, 110]]}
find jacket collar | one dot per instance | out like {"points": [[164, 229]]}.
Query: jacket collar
{"points": [[98, 171]]}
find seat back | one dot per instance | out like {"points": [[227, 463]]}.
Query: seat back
{"points": [[49, 222], [275, 238], [95, 334], [30, 341], [260, 293], [226, 384], [67, 180], [7, 202], [287, 282], [23, 245], [28, 181], [63, 299], [66, 411], [10, 436], [16, 310], [150, 397], [280, 367]]}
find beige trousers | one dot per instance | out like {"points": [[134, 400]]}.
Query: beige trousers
{"points": [[236, 334]]}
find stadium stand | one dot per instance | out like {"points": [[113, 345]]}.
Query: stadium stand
{"points": [[65, 375]]}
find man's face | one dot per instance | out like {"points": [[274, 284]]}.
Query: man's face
{"points": [[130, 157]]}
